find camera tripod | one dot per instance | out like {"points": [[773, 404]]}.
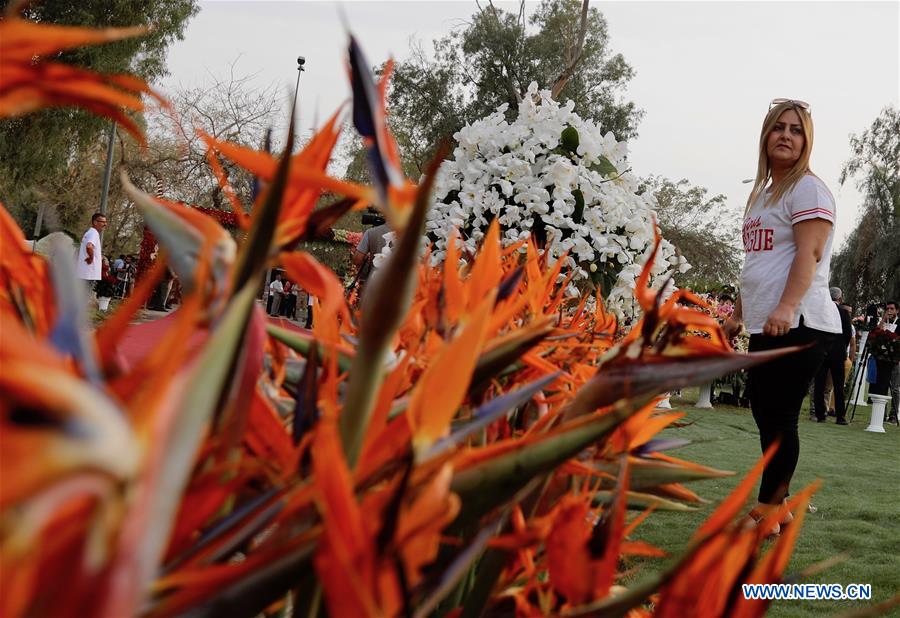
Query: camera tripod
{"points": [[860, 367]]}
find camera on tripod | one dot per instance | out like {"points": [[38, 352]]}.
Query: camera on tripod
{"points": [[372, 218], [872, 316]]}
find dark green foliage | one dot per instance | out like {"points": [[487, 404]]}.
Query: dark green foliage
{"points": [[38, 152], [866, 267], [704, 229]]}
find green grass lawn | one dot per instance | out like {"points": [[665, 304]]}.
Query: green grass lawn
{"points": [[858, 502]]}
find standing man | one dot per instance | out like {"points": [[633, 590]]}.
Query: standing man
{"points": [[369, 246], [90, 254], [276, 291], [889, 322], [309, 311], [834, 363]]}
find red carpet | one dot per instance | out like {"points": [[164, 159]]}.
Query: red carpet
{"points": [[139, 339]]}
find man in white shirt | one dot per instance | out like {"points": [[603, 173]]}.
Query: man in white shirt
{"points": [[276, 291], [90, 254]]}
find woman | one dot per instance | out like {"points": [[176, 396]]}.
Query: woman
{"points": [[784, 299]]}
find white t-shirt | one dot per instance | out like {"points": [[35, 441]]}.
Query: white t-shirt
{"points": [[276, 286], [93, 270], [769, 245]]}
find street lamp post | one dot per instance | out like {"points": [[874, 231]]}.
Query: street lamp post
{"points": [[300, 62], [108, 171]]}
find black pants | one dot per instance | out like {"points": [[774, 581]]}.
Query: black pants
{"points": [[776, 390], [835, 364], [287, 305]]}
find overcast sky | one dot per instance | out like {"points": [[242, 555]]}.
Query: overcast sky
{"points": [[706, 71]]}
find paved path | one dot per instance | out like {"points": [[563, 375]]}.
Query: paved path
{"points": [[141, 337]]}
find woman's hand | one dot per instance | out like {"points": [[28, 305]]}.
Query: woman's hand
{"points": [[779, 322], [732, 327]]}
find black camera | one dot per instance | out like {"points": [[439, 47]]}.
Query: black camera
{"points": [[872, 315], [300, 62], [372, 218]]}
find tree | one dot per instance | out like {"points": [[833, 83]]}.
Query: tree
{"points": [[866, 267], [228, 108], [491, 60], [703, 229], [37, 151]]}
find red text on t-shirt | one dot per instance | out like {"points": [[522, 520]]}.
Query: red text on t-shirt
{"points": [[756, 237]]}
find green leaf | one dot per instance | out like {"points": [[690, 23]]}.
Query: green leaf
{"points": [[647, 473], [300, 343], [321, 220], [71, 332], [640, 501], [494, 361], [253, 593], [458, 568], [604, 167], [569, 139], [647, 377], [385, 303], [181, 241], [490, 483], [488, 413], [208, 380], [578, 213]]}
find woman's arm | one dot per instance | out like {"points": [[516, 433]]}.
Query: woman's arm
{"points": [[810, 237]]}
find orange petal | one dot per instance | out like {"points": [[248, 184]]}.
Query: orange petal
{"points": [[442, 388]]}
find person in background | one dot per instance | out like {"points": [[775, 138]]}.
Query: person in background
{"points": [[370, 245], [89, 266], [105, 273], [851, 351], [309, 310], [889, 322], [834, 364], [286, 299], [276, 291], [131, 269], [295, 292], [787, 232], [120, 271]]}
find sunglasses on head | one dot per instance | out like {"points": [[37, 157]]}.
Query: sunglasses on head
{"points": [[795, 102]]}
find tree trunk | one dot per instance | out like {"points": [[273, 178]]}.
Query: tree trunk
{"points": [[573, 55]]}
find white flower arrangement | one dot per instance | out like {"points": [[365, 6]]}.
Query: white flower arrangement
{"points": [[554, 175]]}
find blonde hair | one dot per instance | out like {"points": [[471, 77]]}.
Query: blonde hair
{"points": [[764, 170]]}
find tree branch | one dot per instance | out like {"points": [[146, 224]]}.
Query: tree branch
{"points": [[575, 56]]}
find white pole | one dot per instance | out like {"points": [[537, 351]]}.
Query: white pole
{"points": [[705, 398], [876, 421]]}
